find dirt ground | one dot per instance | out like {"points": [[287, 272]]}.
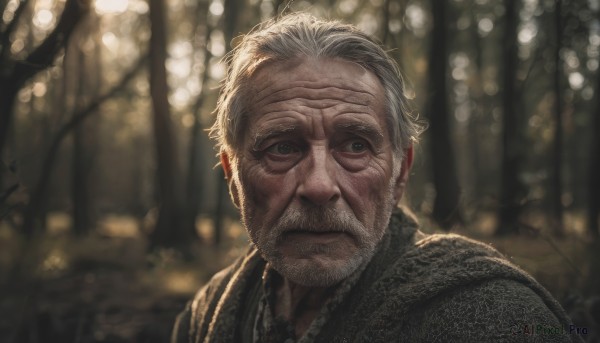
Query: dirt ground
{"points": [[97, 289]]}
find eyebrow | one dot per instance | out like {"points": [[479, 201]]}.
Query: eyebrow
{"points": [[279, 130], [362, 129]]}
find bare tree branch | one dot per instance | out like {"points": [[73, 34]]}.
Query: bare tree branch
{"points": [[42, 57], [79, 116], [7, 64], [15, 20], [38, 194]]}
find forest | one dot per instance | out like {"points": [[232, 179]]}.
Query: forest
{"points": [[114, 211]]}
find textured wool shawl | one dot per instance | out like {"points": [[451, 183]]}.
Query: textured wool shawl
{"points": [[416, 288]]}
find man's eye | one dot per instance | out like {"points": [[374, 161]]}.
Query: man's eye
{"points": [[355, 146], [282, 149]]}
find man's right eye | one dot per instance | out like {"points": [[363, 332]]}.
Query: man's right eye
{"points": [[283, 148]]}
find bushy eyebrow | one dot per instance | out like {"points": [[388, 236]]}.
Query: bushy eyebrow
{"points": [[364, 130], [279, 130]]}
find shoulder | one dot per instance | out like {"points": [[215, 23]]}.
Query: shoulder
{"points": [[193, 316], [491, 310], [444, 284], [194, 320], [449, 263], [212, 311]]}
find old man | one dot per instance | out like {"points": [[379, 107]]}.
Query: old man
{"points": [[316, 142]]}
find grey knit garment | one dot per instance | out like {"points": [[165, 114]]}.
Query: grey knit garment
{"points": [[417, 288]]}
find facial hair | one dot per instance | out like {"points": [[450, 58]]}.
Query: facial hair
{"points": [[267, 235], [307, 271]]}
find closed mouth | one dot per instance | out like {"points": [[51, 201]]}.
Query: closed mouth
{"points": [[314, 231], [320, 236]]}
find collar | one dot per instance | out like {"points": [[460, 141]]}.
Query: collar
{"points": [[268, 328]]}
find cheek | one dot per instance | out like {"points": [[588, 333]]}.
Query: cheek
{"points": [[266, 193], [365, 192]]}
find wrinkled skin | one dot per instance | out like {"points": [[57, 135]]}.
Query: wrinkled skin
{"points": [[316, 178]]}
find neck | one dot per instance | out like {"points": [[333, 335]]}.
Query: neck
{"points": [[299, 304]]}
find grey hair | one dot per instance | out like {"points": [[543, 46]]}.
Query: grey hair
{"points": [[300, 35]]}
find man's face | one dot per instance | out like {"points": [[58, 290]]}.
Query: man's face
{"points": [[315, 177]]}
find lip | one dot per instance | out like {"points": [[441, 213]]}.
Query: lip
{"points": [[322, 237]]}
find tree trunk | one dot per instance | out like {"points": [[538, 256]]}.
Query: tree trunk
{"points": [[138, 205], [476, 130], [593, 210], [170, 230], [195, 177], [80, 194], [385, 23], [230, 15], [556, 200], [446, 210], [232, 8], [511, 192], [82, 135]]}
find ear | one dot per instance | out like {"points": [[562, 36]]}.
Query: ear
{"points": [[407, 162], [228, 170]]}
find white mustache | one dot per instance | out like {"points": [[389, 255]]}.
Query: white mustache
{"points": [[317, 220]]}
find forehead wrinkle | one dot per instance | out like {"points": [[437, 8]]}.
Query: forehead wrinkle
{"points": [[316, 100], [313, 85], [311, 107], [315, 93], [279, 72], [358, 93], [289, 112]]}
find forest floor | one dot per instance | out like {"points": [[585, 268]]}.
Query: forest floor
{"points": [[106, 288]]}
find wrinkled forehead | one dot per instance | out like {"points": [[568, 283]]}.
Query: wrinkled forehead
{"points": [[314, 69], [313, 78]]}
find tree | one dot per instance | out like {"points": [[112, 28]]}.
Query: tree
{"points": [[38, 194], [511, 191], [482, 105], [169, 229], [593, 210], [88, 80], [557, 209], [446, 204], [14, 73], [194, 176], [230, 16]]}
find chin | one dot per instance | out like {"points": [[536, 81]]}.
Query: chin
{"points": [[318, 271]]}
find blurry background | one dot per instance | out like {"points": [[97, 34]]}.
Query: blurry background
{"points": [[113, 213]]}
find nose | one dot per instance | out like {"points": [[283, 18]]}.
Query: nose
{"points": [[319, 185]]}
